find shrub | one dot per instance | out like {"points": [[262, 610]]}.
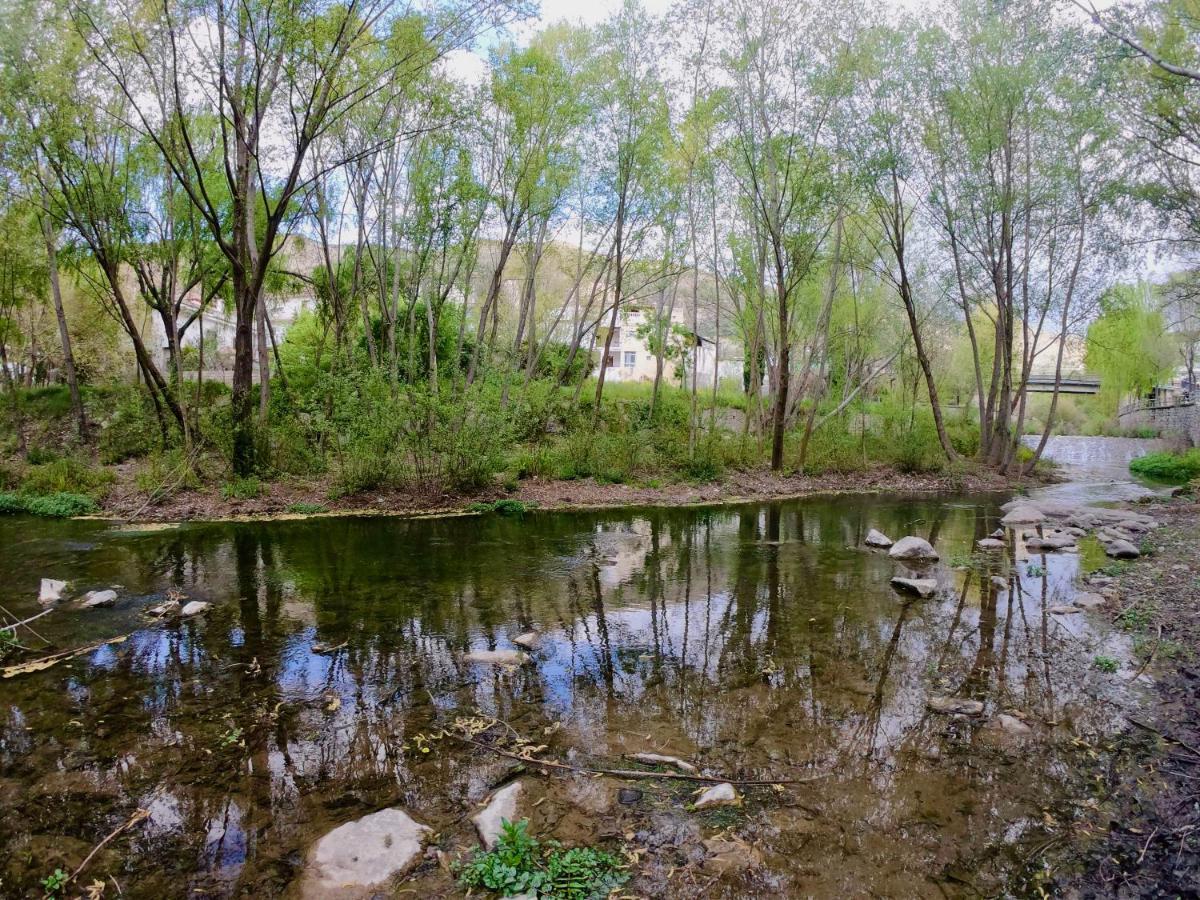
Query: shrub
{"points": [[517, 865], [170, 469], [11, 503], [242, 489], [55, 506], [1173, 468], [66, 475], [132, 432]]}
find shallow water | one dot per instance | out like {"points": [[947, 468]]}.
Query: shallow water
{"points": [[760, 642]]}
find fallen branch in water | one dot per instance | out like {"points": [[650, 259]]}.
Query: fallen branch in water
{"points": [[630, 773], [45, 662], [25, 623], [139, 816]]}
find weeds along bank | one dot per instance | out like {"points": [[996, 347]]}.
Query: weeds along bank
{"points": [[355, 433]]}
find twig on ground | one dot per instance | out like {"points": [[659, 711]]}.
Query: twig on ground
{"points": [[139, 815]]}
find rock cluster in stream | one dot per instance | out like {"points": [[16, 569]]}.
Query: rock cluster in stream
{"points": [[1117, 530]]}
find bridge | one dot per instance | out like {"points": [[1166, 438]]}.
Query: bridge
{"points": [[1044, 384]]}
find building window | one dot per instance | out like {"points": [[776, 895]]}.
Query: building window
{"points": [[630, 359], [610, 361]]}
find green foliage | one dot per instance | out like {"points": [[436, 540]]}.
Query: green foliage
{"points": [[54, 506], [1128, 346], [512, 508], [1167, 467], [170, 469], [68, 474], [517, 865], [132, 431], [247, 488], [1106, 664], [55, 881]]}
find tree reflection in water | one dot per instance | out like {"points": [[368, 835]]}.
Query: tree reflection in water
{"points": [[759, 641]]}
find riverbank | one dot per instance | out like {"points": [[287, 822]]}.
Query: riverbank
{"points": [[303, 499], [1142, 836]]}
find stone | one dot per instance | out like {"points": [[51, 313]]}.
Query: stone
{"points": [[877, 539], [1051, 542], [1000, 583], [497, 657], [500, 809], [169, 608], [1119, 549], [656, 759], [1055, 509], [194, 608], [51, 591], [1063, 609], [914, 548], [92, 599], [1088, 600], [922, 587], [723, 794], [360, 856], [1099, 580], [529, 640], [628, 796], [1027, 514], [990, 544], [957, 706], [1012, 725], [726, 854]]}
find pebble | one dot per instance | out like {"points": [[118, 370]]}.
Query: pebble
{"points": [[502, 807], [723, 794]]}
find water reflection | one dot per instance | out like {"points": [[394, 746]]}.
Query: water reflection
{"points": [[763, 642]]}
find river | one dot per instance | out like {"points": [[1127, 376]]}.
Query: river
{"points": [[760, 641]]}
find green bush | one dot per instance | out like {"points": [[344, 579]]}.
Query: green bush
{"points": [[243, 489], [132, 432], [1172, 468], [517, 865], [306, 509], [55, 506], [66, 475], [170, 469]]}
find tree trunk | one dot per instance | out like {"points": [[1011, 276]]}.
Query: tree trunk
{"points": [[63, 334]]}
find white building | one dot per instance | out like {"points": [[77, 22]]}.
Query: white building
{"points": [[631, 359]]}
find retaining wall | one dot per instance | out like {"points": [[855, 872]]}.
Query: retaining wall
{"points": [[1180, 420]]}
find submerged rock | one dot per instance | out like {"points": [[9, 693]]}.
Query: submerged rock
{"points": [[1063, 609], [1120, 549], [723, 794], [922, 587], [989, 543], [194, 608], [1051, 542], [958, 706], [912, 547], [877, 539], [92, 599], [529, 640], [51, 590], [656, 759], [169, 608], [500, 809], [497, 657], [360, 856]]}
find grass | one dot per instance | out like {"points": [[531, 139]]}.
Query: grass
{"points": [[512, 508], [517, 864], [243, 489], [60, 505], [306, 509], [1168, 467]]}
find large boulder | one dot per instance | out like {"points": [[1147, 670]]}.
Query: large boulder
{"points": [[913, 548], [501, 808], [51, 590], [922, 587], [356, 859], [877, 539]]}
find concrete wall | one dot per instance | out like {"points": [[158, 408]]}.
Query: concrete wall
{"points": [[1180, 420]]}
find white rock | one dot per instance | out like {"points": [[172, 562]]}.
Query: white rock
{"points": [[529, 640], [497, 657], [1027, 514], [500, 809], [922, 587], [361, 855], [93, 599], [723, 794], [655, 759], [1012, 725], [1122, 550], [955, 706], [1001, 583], [1063, 610], [912, 548], [1051, 542], [51, 590], [194, 608], [990, 544], [877, 539]]}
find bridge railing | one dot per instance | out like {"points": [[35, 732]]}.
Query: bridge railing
{"points": [[1185, 399]]}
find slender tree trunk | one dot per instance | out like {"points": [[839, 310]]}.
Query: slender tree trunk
{"points": [[64, 335]]}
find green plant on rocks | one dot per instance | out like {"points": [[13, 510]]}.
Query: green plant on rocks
{"points": [[518, 865], [1106, 664]]}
